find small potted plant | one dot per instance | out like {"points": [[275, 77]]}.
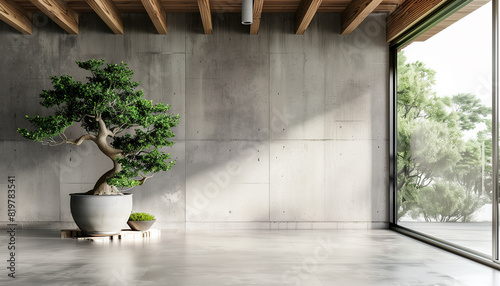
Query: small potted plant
{"points": [[141, 221]]}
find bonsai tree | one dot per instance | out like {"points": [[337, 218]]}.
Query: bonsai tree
{"points": [[125, 127]]}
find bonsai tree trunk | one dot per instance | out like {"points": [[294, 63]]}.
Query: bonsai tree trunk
{"points": [[102, 187]]}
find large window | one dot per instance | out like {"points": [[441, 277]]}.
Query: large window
{"points": [[444, 134]]}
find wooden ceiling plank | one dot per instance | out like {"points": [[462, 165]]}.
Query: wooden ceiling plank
{"points": [[157, 14], [455, 17], [355, 13], [257, 12], [206, 15], [109, 13], [305, 13], [60, 13], [14, 15], [410, 12]]}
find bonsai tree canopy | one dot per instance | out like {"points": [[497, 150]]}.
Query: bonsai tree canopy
{"points": [[127, 128]]}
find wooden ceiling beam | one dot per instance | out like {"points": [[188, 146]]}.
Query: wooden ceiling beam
{"points": [[14, 15], [355, 13], [109, 13], [220, 6], [305, 13], [157, 14], [409, 13], [206, 15], [60, 13], [257, 12]]}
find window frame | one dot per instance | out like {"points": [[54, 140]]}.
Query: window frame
{"points": [[403, 40]]}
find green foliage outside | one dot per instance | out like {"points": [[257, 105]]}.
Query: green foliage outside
{"points": [[141, 217], [442, 175], [127, 128]]}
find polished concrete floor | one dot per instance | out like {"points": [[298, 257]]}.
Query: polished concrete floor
{"points": [[240, 257]]}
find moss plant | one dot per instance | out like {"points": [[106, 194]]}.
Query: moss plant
{"points": [[141, 217]]}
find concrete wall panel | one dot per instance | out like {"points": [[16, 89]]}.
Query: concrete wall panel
{"points": [[231, 203], [227, 109], [298, 181], [298, 89], [18, 100], [227, 181], [30, 57], [37, 180], [227, 83], [351, 192]]}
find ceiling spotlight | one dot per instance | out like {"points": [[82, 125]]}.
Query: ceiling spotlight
{"points": [[246, 12]]}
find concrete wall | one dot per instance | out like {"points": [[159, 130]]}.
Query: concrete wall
{"points": [[278, 130]]}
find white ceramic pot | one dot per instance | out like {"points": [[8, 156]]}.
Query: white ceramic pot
{"points": [[100, 215]]}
